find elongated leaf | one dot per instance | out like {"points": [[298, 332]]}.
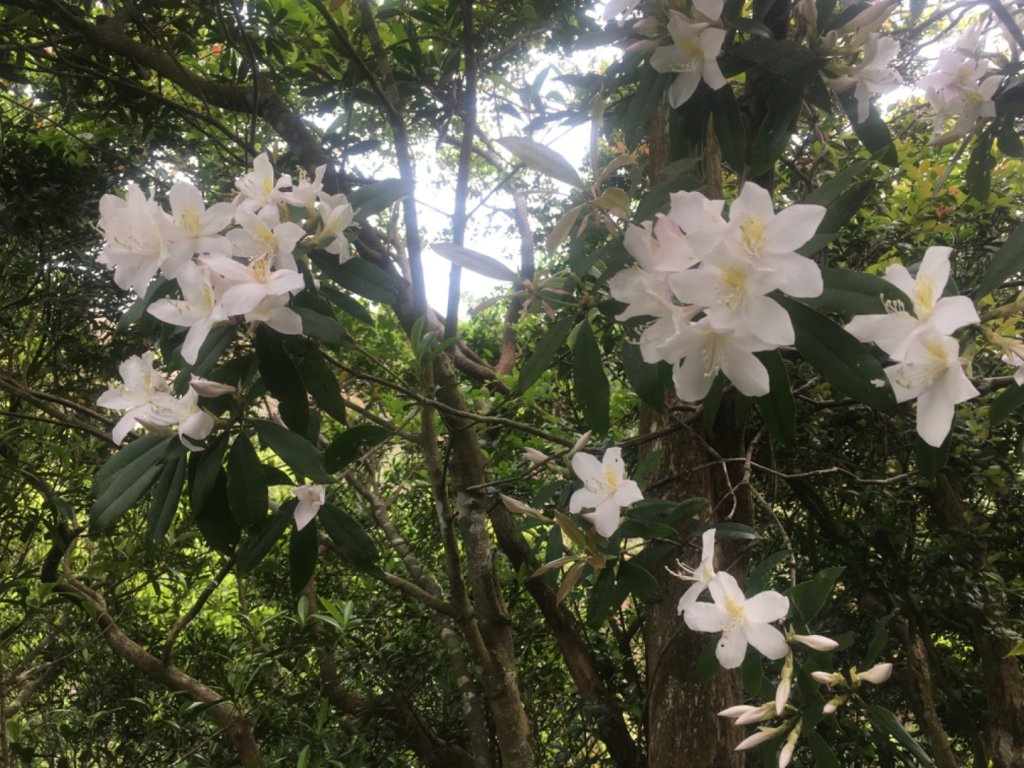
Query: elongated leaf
{"points": [[809, 597], [321, 384], [214, 519], [166, 497], [873, 132], [562, 229], [824, 757], [590, 385], [475, 261], [1008, 261], [352, 443], [302, 553], [544, 354], [599, 602], [888, 723], [297, 452], [261, 540], [979, 168], [204, 468], [320, 326], [844, 362], [371, 199], [359, 276], [122, 494], [849, 292], [646, 380], [141, 452], [839, 212], [778, 408], [1005, 403], [638, 581], [543, 159], [615, 200], [247, 488], [346, 303], [348, 535], [282, 379]]}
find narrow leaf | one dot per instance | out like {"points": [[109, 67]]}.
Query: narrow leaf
{"points": [[590, 385], [849, 292], [475, 261], [355, 546], [778, 408], [544, 354], [282, 379], [1007, 262], [888, 723], [352, 443], [302, 553], [297, 452], [166, 497], [121, 495], [1005, 403], [247, 487], [214, 519], [371, 199], [359, 276], [261, 540], [321, 384], [541, 158], [646, 379], [142, 451]]}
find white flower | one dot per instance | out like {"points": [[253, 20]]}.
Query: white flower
{"points": [[702, 575], [198, 310], [133, 229], [265, 233], [311, 498], [744, 714], [208, 388], [258, 187], [253, 282], [873, 74], [605, 489], [932, 372], [140, 385], [195, 228], [877, 675], [740, 620], [706, 351], [786, 753], [693, 54], [335, 217], [817, 642]]}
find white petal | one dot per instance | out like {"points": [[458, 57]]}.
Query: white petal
{"points": [[682, 88], [732, 647], [605, 518], [767, 606], [746, 372], [705, 617], [769, 641]]}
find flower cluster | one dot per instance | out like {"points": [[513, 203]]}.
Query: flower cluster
{"points": [[706, 281], [927, 365], [229, 260]]}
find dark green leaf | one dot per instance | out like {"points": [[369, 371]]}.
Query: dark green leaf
{"points": [[204, 469], [346, 304], [599, 601], [638, 581], [1008, 401], [849, 292], [590, 385], [302, 552], [658, 197], [166, 496], [778, 408], [247, 487], [321, 384], [888, 723], [122, 493], [752, 675], [643, 104], [348, 535], [844, 362], [258, 543], [371, 199], [1007, 262], [807, 598], [359, 276], [296, 451], [824, 757], [979, 168], [319, 326], [214, 518], [140, 452], [645, 378], [282, 379], [707, 663], [878, 640], [839, 212], [729, 128], [775, 131], [735, 531], [873, 132], [757, 581], [209, 355], [544, 354], [352, 443], [930, 460]]}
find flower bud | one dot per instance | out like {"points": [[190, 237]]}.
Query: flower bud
{"points": [[744, 714], [877, 675], [206, 388], [828, 678], [786, 753], [537, 457], [579, 444], [817, 642], [649, 26], [762, 735], [833, 704], [785, 684]]}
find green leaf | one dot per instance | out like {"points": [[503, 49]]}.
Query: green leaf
{"points": [[752, 675], [359, 276], [544, 354], [590, 385], [247, 487], [844, 361], [258, 543], [122, 493], [1005, 403], [824, 757], [757, 581], [643, 104], [849, 292], [644, 378], [371, 199], [638, 581], [541, 158], [599, 601], [352, 443], [873, 132], [888, 723], [838, 214], [930, 460], [282, 379], [979, 168], [737, 531], [354, 545], [346, 303], [140, 452], [775, 131], [166, 496], [729, 128], [807, 598], [657, 199], [778, 408], [475, 261], [297, 452], [1007, 262], [321, 384], [302, 553], [214, 519], [320, 326], [204, 469]]}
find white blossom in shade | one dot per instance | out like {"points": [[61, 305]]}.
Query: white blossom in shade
{"points": [[828, 678], [706, 351], [741, 620], [786, 753], [133, 230], [733, 291], [659, 246], [140, 384], [273, 312], [877, 675], [816, 642], [643, 293], [872, 75], [700, 218], [252, 283], [208, 388], [931, 372], [258, 188], [760, 736], [693, 55], [770, 240], [959, 89], [1015, 357], [265, 233], [311, 498], [868, 21], [701, 576], [194, 228], [193, 423], [745, 714], [666, 338], [335, 217], [606, 489], [896, 330], [198, 310], [305, 193]]}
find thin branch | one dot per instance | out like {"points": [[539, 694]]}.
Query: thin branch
{"points": [[192, 612]]}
